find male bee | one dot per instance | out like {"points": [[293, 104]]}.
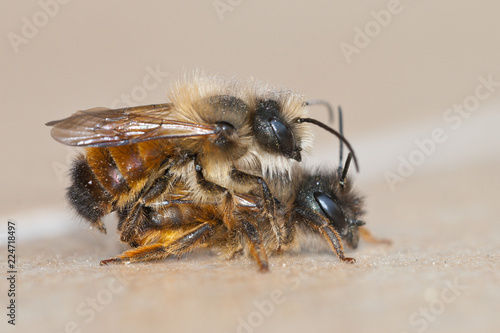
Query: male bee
{"points": [[216, 137]]}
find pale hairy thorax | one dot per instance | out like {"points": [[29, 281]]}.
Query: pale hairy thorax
{"points": [[188, 97]]}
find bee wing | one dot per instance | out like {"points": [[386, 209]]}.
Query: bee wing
{"points": [[101, 127]]}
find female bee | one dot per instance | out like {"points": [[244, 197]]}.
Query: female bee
{"points": [[217, 137], [322, 202]]}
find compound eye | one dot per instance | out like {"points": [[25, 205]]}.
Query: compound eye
{"points": [[331, 210], [285, 137], [272, 133]]}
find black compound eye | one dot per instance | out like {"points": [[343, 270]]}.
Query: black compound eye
{"points": [[285, 137], [271, 131], [332, 210]]}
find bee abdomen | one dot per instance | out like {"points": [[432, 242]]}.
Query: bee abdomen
{"points": [[104, 168], [86, 194], [129, 162]]}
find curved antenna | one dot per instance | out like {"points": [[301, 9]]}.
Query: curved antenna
{"points": [[341, 144], [334, 132], [341, 125], [324, 103], [344, 171]]}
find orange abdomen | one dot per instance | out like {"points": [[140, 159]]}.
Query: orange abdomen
{"points": [[109, 178]]}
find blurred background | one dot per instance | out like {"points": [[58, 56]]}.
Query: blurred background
{"points": [[419, 83]]}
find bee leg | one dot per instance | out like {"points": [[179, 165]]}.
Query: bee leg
{"points": [[210, 187], [335, 242], [256, 247], [133, 222], [321, 224], [163, 250], [368, 237], [206, 185], [130, 222], [288, 230], [269, 201], [229, 205]]}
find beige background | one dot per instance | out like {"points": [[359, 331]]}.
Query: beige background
{"points": [[443, 218]]}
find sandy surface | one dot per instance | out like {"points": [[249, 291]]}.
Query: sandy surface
{"points": [[442, 274]]}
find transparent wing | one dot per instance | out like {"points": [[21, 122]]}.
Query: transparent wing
{"points": [[101, 127]]}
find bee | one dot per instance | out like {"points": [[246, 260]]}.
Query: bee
{"points": [[314, 201], [318, 201], [216, 138]]}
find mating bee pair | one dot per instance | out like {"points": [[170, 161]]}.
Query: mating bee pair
{"points": [[218, 166]]}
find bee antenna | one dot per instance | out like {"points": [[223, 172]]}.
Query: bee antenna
{"points": [[334, 132], [324, 103], [341, 147], [344, 171], [341, 126]]}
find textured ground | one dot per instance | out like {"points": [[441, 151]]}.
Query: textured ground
{"points": [[440, 275]]}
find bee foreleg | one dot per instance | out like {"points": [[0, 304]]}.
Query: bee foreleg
{"points": [[335, 242], [321, 224], [163, 250]]}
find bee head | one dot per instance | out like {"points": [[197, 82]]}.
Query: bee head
{"points": [[332, 197], [336, 200]]}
